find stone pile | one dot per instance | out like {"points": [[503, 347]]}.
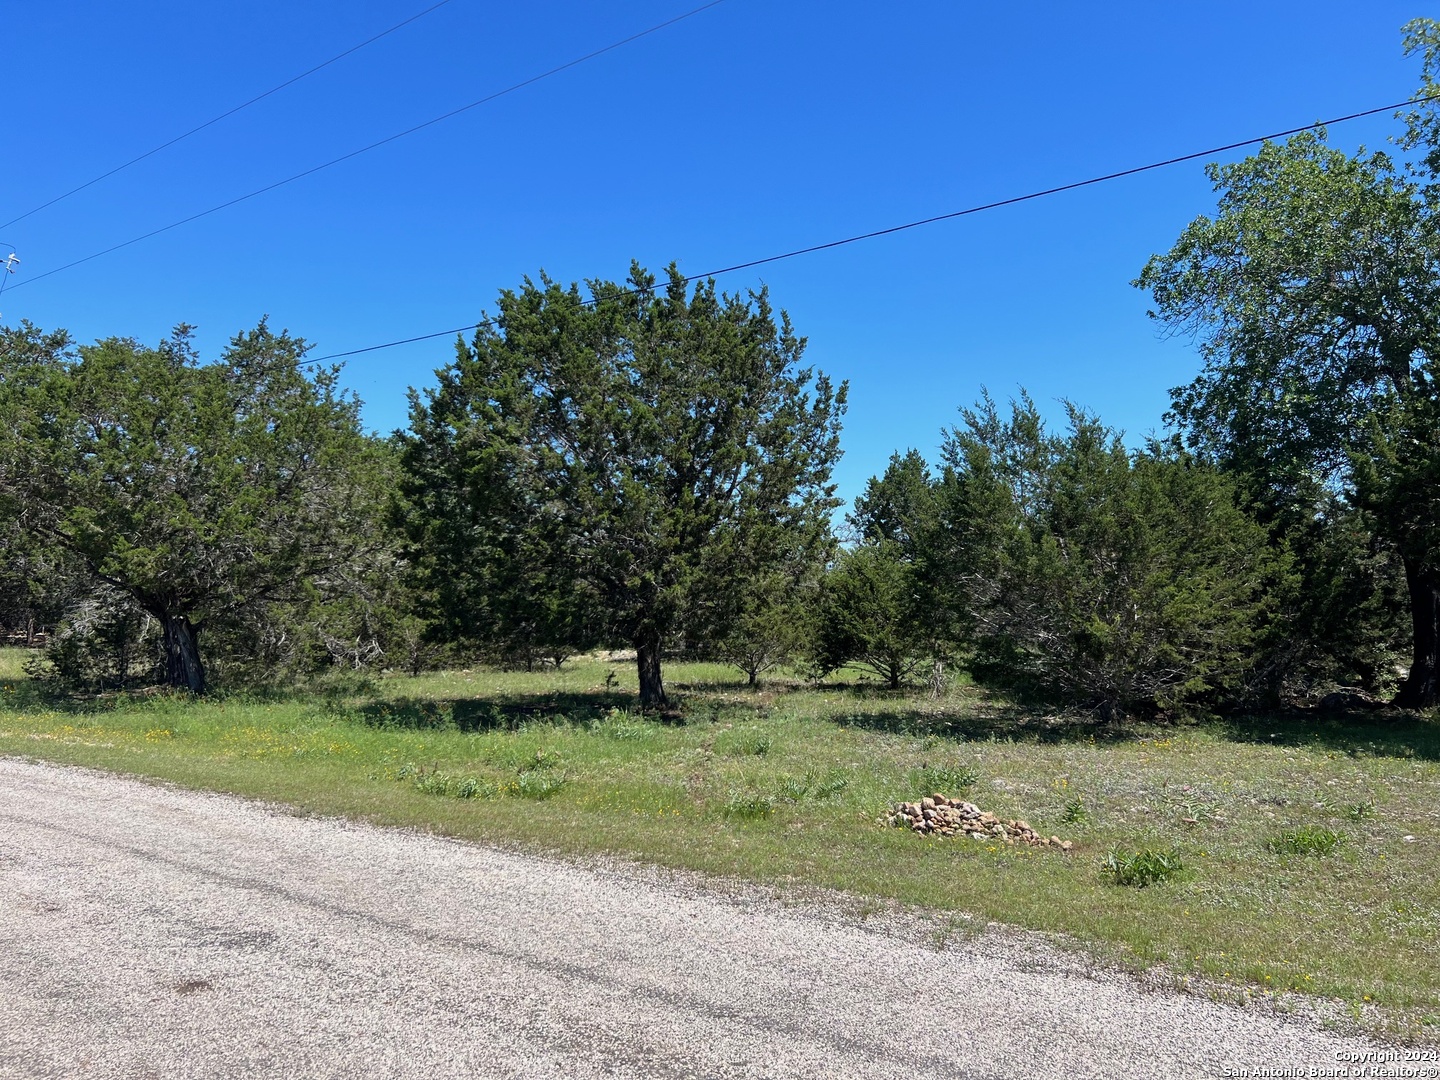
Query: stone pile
{"points": [[942, 816]]}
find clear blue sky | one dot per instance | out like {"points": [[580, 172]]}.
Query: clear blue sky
{"points": [[750, 129]]}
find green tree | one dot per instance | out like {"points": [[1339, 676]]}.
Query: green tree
{"points": [[203, 492], [877, 607], [1093, 575], [772, 625], [37, 585], [1314, 295], [628, 463], [898, 506], [867, 615]]}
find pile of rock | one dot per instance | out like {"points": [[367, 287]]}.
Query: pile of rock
{"points": [[943, 816]]}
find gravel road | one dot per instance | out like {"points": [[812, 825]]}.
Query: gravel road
{"points": [[147, 931]]}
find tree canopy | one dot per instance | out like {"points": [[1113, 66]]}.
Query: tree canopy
{"points": [[1314, 294], [635, 459], [1091, 574], [200, 491]]}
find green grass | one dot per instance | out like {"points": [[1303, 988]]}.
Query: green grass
{"points": [[789, 784], [1306, 840]]}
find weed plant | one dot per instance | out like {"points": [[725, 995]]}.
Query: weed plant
{"points": [[748, 804], [1361, 811], [1075, 812], [1141, 868], [1306, 840]]}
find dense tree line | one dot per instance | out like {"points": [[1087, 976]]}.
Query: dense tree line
{"points": [[647, 464]]}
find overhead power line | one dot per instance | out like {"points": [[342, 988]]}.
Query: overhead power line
{"points": [[376, 145], [997, 204], [228, 113]]}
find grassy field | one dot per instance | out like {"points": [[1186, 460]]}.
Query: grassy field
{"points": [[1307, 846]]}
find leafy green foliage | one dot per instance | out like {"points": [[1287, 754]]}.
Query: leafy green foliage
{"points": [[617, 469], [876, 609], [748, 804], [1341, 615], [867, 615], [813, 785], [103, 641], [204, 492], [746, 742], [897, 507], [770, 624], [1361, 811], [1085, 573], [1138, 869], [433, 781], [1314, 293], [539, 783]]}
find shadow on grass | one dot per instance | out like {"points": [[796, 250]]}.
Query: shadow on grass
{"points": [[728, 686], [1379, 733], [1007, 722], [488, 714], [1401, 735], [35, 695]]}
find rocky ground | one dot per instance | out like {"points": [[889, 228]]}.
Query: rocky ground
{"points": [[944, 816]]}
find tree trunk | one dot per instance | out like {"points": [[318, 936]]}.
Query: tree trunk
{"points": [[1419, 690], [647, 661], [183, 669]]}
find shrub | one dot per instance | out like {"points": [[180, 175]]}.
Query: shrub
{"points": [[1087, 574], [431, 781], [1141, 868], [535, 784], [748, 804], [868, 615], [103, 642]]}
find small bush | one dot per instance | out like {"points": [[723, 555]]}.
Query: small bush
{"points": [[795, 788], [749, 804], [431, 782], [1361, 811], [1306, 840], [471, 788], [1141, 868], [104, 642], [1076, 812], [542, 759], [533, 784]]}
